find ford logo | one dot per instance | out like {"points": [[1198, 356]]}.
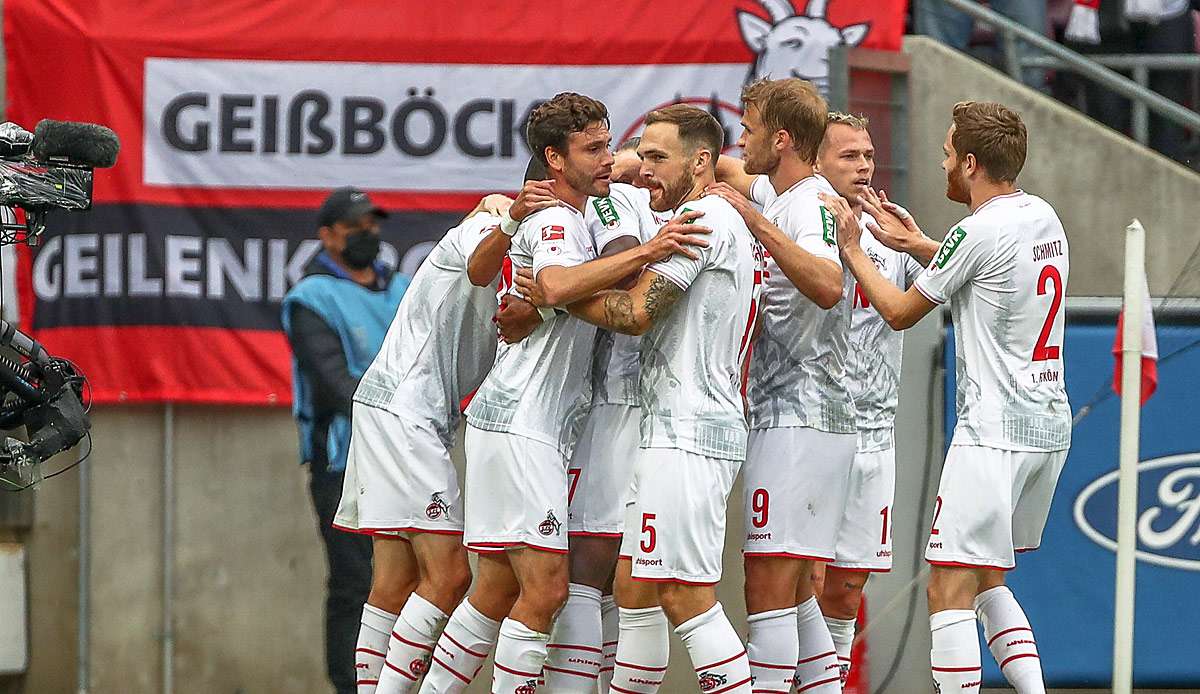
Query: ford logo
{"points": [[1168, 531]]}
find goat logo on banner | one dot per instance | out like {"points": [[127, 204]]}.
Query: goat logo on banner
{"points": [[792, 45]]}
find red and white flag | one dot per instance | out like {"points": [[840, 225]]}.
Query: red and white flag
{"points": [[1149, 348]]}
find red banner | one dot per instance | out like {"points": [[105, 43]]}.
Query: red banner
{"points": [[236, 118]]}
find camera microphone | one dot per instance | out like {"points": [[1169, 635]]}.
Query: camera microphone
{"points": [[80, 143]]}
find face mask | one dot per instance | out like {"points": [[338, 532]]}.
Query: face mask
{"points": [[362, 248]]}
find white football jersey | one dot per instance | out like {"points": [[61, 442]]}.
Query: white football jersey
{"points": [[539, 387], [692, 359], [798, 366], [1004, 271], [442, 342], [873, 360], [625, 212]]}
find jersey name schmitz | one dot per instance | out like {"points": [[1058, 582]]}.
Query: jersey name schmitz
{"points": [[539, 387], [625, 212], [693, 358], [873, 361], [798, 366], [441, 343], [1004, 270]]}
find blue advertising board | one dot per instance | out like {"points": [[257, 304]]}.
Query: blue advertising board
{"points": [[1067, 587]]}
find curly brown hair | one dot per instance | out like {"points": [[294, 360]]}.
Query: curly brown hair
{"points": [[994, 134], [552, 123]]}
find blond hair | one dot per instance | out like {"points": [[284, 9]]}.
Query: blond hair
{"points": [[794, 106]]}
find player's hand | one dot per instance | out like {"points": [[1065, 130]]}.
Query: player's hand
{"points": [[849, 233], [529, 288], [516, 319], [534, 196], [744, 207], [495, 204], [896, 228], [676, 236]]}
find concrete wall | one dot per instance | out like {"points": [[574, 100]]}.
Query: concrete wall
{"points": [[1097, 179], [248, 563]]}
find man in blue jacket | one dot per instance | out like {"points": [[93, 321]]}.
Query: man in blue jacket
{"points": [[335, 319]]}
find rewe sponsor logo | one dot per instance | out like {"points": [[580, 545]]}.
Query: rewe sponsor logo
{"points": [[1168, 513]]}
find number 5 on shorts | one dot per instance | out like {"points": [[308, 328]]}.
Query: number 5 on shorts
{"points": [[647, 529]]}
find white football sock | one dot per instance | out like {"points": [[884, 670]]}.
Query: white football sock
{"points": [[460, 651], [609, 626], [643, 647], [716, 652], [772, 650], [520, 655], [573, 659], [954, 658], [1010, 639], [842, 631], [410, 648], [817, 669], [372, 647]]}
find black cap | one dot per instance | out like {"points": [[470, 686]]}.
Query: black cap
{"points": [[347, 205]]}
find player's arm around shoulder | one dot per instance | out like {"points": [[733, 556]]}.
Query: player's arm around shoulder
{"points": [[899, 308], [488, 257]]}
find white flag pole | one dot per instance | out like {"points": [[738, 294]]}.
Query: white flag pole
{"points": [[1131, 401]]}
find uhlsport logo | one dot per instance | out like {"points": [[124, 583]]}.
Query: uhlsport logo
{"points": [[530, 687], [1168, 514], [792, 45], [437, 507]]}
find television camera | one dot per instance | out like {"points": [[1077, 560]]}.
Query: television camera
{"points": [[48, 169]]}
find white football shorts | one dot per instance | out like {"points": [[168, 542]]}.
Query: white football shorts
{"points": [[601, 469], [991, 503], [399, 478], [796, 484], [864, 542], [516, 493], [675, 521]]}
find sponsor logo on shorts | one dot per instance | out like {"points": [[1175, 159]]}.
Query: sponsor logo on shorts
{"points": [[1168, 514], [758, 536], [437, 507], [884, 554], [647, 562], [530, 687], [935, 545], [970, 685], [550, 526], [711, 680]]}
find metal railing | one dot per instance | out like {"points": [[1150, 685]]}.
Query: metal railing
{"points": [[1144, 100], [1139, 66]]}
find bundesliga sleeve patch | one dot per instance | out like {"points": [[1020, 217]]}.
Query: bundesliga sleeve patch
{"points": [[607, 213], [828, 227], [951, 244], [553, 233]]}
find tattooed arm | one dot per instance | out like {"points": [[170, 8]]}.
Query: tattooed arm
{"points": [[631, 312]]}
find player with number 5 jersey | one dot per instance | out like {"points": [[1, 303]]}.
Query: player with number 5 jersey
{"points": [[1004, 271]]}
